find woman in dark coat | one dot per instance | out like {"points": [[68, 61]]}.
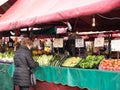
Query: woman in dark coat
{"points": [[23, 63]]}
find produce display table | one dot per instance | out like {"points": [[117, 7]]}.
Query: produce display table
{"points": [[83, 78], [6, 82]]}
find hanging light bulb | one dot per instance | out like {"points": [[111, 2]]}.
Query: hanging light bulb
{"points": [[93, 21], [69, 26], [12, 33]]}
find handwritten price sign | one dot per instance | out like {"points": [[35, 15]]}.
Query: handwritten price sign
{"points": [[99, 42], [58, 42], [79, 42]]}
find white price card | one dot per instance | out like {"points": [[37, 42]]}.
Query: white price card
{"points": [[99, 42], [58, 43], [115, 45], [79, 42], [10, 44]]}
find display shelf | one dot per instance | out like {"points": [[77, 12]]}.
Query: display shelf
{"points": [[92, 79]]}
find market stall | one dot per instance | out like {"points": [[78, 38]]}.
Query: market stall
{"points": [[59, 69], [58, 76]]}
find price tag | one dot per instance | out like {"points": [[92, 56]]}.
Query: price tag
{"points": [[79, 42], [115, 45], [99, 42], [58, 43], [10, 44]]}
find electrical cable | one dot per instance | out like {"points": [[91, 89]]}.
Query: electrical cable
{"points": [[113, 18]]}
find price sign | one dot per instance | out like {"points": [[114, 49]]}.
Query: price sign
{"points": [[58, 43], [10, 44], [99, 42], [79, 42], [115, 45]]}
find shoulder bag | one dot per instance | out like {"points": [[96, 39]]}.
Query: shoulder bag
{"points": [[32, 78]]}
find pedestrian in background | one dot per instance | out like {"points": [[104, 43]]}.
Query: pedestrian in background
{"points": [[23, 64]]}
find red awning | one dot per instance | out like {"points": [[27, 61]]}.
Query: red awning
{"points": [[29, 12]]}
